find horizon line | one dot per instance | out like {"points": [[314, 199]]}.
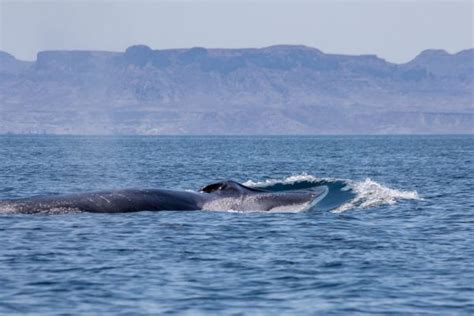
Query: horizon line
{"points": [[238, 135]]}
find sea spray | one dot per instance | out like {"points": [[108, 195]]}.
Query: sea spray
{"points": [[364, 194], [370, 193]]}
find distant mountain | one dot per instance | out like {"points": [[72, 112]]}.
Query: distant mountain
{"points": [[273, 90]]}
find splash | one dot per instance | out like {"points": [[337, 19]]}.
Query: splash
{"points": [[370, 193], [344, 194], [304, 177]]}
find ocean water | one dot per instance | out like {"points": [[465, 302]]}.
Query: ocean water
{"points": [[395, 234]]}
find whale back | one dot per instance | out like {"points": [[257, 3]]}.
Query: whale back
{"points": [[229, 186], [120, 201]]}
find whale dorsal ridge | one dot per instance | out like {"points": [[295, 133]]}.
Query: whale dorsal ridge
{"points": [[228, 186]]}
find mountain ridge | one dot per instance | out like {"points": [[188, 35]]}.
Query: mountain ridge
{"points": [[276, 46], [281, 89]]}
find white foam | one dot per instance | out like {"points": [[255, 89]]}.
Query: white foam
{"points": [[370, 193], [303, 177]]}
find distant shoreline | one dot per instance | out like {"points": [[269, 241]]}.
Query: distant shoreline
{"points": [[232, 135], [283, 89]]}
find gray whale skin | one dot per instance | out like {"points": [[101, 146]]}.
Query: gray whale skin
{"points": [[226, 195]]}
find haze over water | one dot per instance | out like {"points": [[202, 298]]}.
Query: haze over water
{"points": [[403, 244]]}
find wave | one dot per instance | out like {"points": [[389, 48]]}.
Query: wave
{"points": [[343, 194]]}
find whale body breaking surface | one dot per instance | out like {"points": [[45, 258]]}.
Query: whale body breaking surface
{"points": [[220, 196]]}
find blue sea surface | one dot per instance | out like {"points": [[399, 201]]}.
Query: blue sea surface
{"points": [[396, 235]]}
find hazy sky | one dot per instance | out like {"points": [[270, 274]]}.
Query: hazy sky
{"points": [[394, 30]]}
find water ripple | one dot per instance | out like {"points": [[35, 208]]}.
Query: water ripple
{"points": [[410, 257]]}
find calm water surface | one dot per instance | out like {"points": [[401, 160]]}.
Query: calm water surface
{"points": [[404, 244]]}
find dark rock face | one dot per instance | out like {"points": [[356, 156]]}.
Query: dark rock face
{"points": [[274, 90]]}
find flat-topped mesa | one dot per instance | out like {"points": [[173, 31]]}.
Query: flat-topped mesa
{"points": [[271, 90], [226, 61], [62, 59]]}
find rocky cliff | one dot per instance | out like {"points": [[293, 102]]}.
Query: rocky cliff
{"points": [[273, 90]]}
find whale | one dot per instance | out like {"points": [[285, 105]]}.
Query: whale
{"points": [[218, 196]]}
